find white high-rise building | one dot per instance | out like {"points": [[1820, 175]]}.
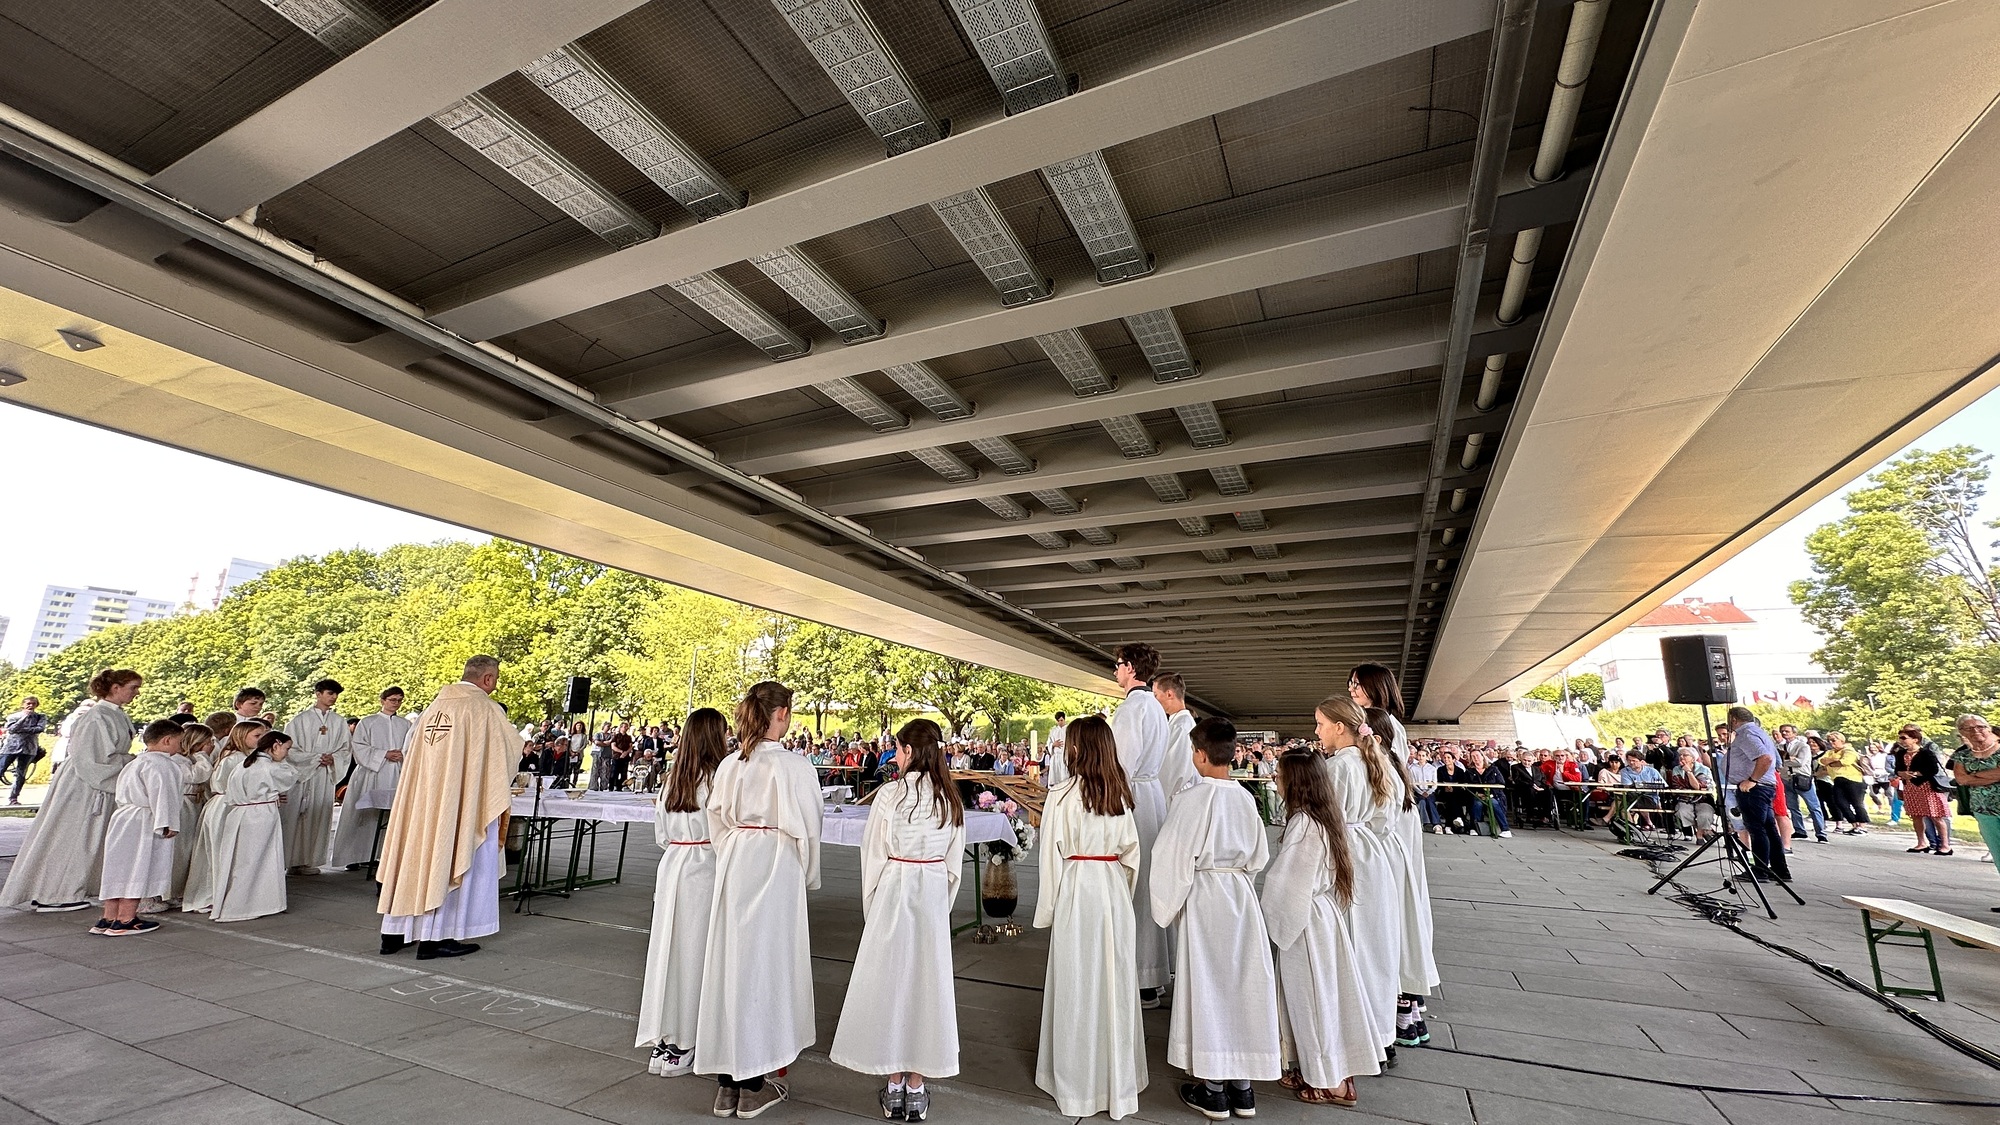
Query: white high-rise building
{"points": [[70, 613], [239, 572]]}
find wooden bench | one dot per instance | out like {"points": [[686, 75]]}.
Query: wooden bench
{"points": [[1921, 923]]}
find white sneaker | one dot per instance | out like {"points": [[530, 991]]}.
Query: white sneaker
{"points": [[152, 906], [1506, 835]]}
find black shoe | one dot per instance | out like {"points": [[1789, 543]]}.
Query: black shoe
{"points": [[1798, 835], [1389, 1060], [1212, 1104], [356, 866], [1149, 998], [1242, 1102], [392, 943], [426, 950]]}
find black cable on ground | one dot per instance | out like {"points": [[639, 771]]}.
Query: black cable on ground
{"points": [[1727, 915], [1706, 1089]]}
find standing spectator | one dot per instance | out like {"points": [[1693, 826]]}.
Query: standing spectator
{"points": [[1753, 773], [1843, 769], [1929, 814], [1423, 779], [1795, 755], [24, 744], [1976, 765]]}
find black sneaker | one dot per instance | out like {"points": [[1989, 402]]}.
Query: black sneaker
{"points": [[127, 929], [102, 926], [1149, 998], [1415, 1035], [1242, 1101], [1212, 1104], [1389, 1058]]}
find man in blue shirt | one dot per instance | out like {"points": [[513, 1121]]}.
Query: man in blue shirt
{"points": [[1752, 771]]}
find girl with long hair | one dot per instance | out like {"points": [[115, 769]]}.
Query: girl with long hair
{"points": [[1406, 847], [198, 752], [1092, 1057], [1308, 897], [756, 1011], [60, 863], [249, 858], [199, 894], [900, 1018], [1365, 784], [683, 895]]}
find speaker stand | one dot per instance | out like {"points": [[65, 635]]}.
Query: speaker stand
{"points": [[1737, 865]]}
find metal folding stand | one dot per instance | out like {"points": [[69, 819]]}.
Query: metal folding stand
{"points": [[1737, 867]]}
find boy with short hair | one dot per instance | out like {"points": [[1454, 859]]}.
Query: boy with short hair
{"points": [[1225, 1018], [139, 845]]}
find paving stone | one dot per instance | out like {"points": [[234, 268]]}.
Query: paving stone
{"points": [[230, 1105], [27, 975], [84, 1077], [273, 1060], [129, 1010], [337, 1014], [418, 1096], [505, 1059], [19, 1025], [204, 977]]}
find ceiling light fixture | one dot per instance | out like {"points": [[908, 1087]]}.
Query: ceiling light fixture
{"points": [[79, 341]]}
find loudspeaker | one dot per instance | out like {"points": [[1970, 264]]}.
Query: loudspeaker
{"points": [[578, 699], [1698, 669]]}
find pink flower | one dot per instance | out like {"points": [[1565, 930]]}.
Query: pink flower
{"points": [[1009, 808], [986, 800]]}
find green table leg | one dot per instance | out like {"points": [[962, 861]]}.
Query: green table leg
{"points": [[1895, 934]]}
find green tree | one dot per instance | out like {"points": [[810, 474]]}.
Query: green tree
{"points": [[959, 690], [1635, 723], [1904, 595], [1585, 688]]}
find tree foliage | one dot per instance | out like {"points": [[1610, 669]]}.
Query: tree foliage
{"points": [[1906, 596], [1585, 689], [411, 615], [1635, 723]]}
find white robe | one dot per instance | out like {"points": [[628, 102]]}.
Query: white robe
{"points": [[199, 893], [62, 858], [249, 857], [374, 737], [1092, 1055], [1375, 919], [1177, 772], [1055, 763], [200, 767], [308, 815], [1141, 731], [469, 910], [900, 1013], [1328, 1031], [138, 855], [1225, 1019], [683, 895], [756, 982], [1419, 973]]}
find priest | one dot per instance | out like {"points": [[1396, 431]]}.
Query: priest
{"points": [[320, 753], [378, 762], [1140, 729], [441, 860]]}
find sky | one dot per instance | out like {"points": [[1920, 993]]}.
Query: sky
{"points": [[234, 512]]}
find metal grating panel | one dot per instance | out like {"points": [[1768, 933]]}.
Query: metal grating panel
{"points": [[1126, 562], [344, 28], [1084, 566], [1231, 480], [1279, 576], [849, 394], [1014, 44], [846, 45], [1215, 554], [1078, 364], [1153, 584], [921, 383], [1251, 520], [1006, 507], [1049, 540], [1195, 525], [805, 282], [1005, 455], [1168, 487], [1266, 551], [975, 221], [529, 159], [1084, 188], [1058, 501], [1097, 536], [580, 85], [1158, 335], [1204, 425], [740, 315], [1131, 435], [1234, 580], [946, 464]]}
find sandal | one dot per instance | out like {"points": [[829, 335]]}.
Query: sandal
{"points": [[1947, 851], [1291, 1080], [1313, 1095], [1917, 849]]}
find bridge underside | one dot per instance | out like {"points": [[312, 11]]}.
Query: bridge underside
{"points": [[1282, 334]]}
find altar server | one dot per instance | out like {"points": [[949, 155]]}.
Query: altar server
{"points": [[1329, 1036], [1140, 728], [1177, 772], [441, 861], [1055, 770], [1373, 687], [1365, 784], [1406, 847], [377, 747], [1092, 1056], [61, 861], [198, 751], [683, 894], [139, 844], [249, 857], [199, 894], [900, 1018], [320, 752], [756, 983], [1224, 1029]]}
